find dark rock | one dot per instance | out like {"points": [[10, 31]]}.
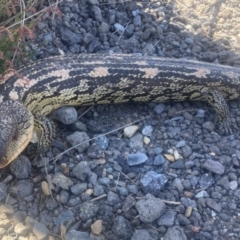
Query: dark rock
{"points": [[21, 167], [150, 208], [68, 37], [153, 182], [136, 159], [214, 166], [175, 233], [88, 210], [121, 227], [21, 189], [167, 219]]}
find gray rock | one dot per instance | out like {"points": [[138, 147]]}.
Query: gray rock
{"points": [[205, 181], [128, 203], [237, 194], [74, 201], [63, 217], [63, 196], [113, 199], [187, 151], [119, 28], [158, 150], [182, 220], [101, 141], [129, 30], [3, 190], [178, 184], [88, 210], [93, 2], [146, 34], [179, 164], [208, 126], [103, 28], [181, 143], [96, 13], [153, 182], [209, 56], [51, 204], [175, 44], [202, 194], [68, 37], [159, 160], [141, 234], [95, 152], [136, 141], [148, 49], [224, 182], [93, 46], [80, 140], [87, 39], [121, 227], [135, 12], [79, 126], [188, 202], [159, 108], [82, 171], [150, 208], [77, 235], [104, 181], [93, 178], [200, 113], [40, 230], [21, 188], [214, 205], [132, 189], [98, 190], [175, 233], [33, 209], [21, 167], [214, 166], [78, 188], [233, 185], [147, 131], [136, 159], [189, 41], [167, 219], [66, 115], [137, 21], [62, 181], [122, 191]]}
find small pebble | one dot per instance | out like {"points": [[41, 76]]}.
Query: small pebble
{"points": [[96, 227], [45, 188], [169, 157], [130, 131], [136, 159], [146, 140]]}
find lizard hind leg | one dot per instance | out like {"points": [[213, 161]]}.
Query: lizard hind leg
{"points": [[219, 104]]}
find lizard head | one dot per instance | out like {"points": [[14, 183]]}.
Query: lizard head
{"points": [[16, 127]]}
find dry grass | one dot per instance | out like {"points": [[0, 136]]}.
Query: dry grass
{"points": [[17, 21]]}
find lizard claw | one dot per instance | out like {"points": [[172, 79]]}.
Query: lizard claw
{"points": [[228, 127]]}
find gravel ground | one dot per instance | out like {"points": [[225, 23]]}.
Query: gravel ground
{"points": [[169, 175]]}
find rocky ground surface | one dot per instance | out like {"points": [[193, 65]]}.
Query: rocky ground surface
{"points": [[169, 175]]}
